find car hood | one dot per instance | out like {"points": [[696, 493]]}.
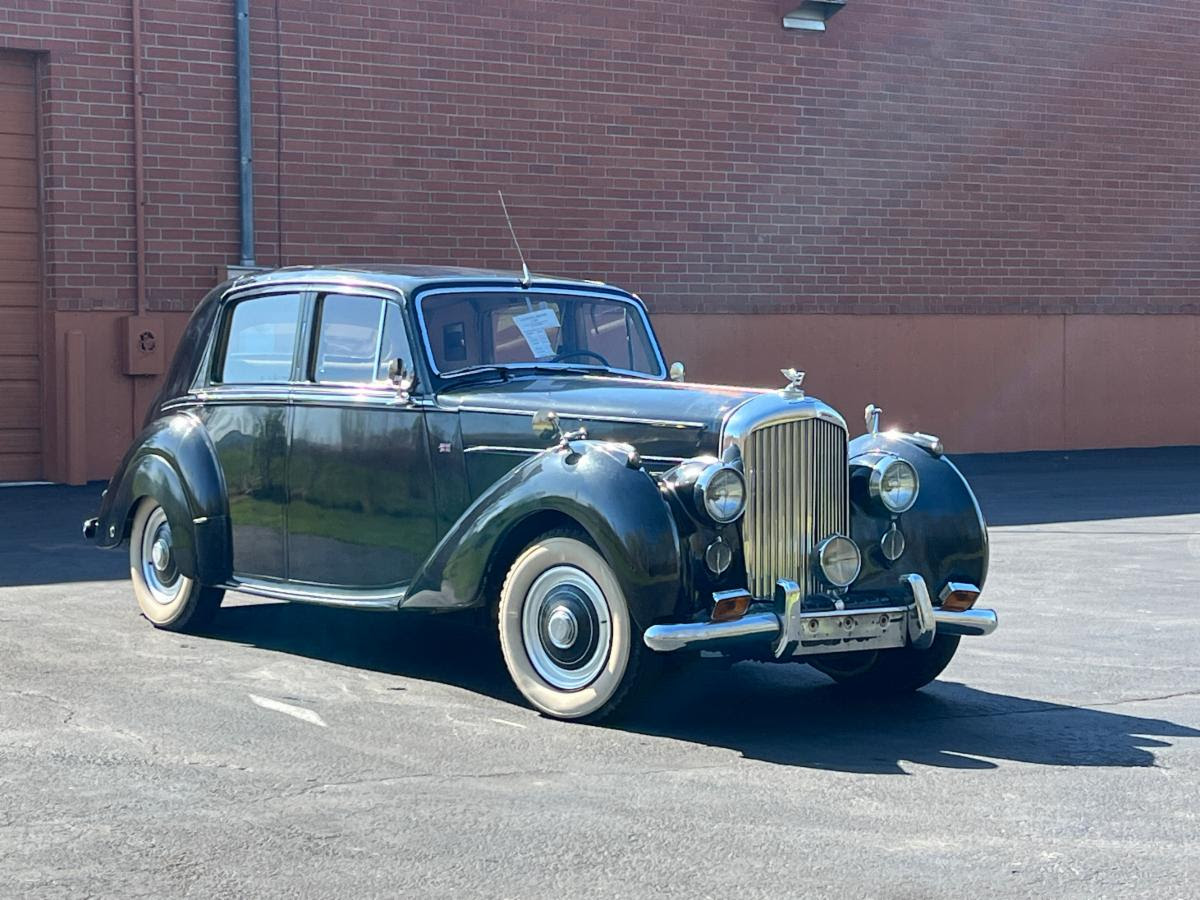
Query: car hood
{"points": [[662, 419]]}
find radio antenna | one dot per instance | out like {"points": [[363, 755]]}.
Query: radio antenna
{"points": [[526, 278]]}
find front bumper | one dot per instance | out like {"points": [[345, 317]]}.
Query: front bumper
{"points": [[791, 631]]}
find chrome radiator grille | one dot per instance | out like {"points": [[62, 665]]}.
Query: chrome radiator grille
{"points": [[798, 495]]}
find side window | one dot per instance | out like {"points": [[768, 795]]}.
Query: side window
{"points": [[348, 339], [395, 343], [260, 339]]}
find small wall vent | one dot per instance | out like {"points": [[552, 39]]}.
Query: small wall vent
{"points": [[811, 15]]}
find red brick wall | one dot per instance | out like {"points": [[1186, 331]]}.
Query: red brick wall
{"points": [[935, 156]]}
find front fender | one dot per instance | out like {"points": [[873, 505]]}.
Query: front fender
{"points": [[945, 534], [601, 488], [173, 462]]}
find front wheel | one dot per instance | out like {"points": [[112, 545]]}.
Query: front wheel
{"points": [[168, 598], [896, 671], [568, 640]]}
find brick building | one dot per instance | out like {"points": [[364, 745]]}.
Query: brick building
{"points": [[985, 217]]}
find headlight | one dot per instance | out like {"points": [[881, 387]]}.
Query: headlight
{"points": [[838, 560], [894, 481], [721, 493]]}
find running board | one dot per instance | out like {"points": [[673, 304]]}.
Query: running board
{"points": [[386, 600]]}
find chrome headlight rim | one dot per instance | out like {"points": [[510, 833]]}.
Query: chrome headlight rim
{"points": [[825, 549], [706, 481], [875, 484]]}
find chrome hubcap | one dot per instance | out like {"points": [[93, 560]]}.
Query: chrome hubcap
{"points": [[562, 627], [160, 554], [566, 627], [158, 561]]}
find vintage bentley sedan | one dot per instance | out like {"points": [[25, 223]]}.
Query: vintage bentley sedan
{"points": [[406, 438]]}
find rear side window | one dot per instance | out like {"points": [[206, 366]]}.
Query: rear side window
{"points": [[260, 340]]}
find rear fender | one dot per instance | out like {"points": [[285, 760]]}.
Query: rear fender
{"points": [[597, 486], [174, 463]]}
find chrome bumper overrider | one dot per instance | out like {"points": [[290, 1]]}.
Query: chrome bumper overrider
{"points": [[915, 624]]}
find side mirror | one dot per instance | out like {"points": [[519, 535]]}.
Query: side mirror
{"points": [[545, 424], [677, 371], [401, 377]]}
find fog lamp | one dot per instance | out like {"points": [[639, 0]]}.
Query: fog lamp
{"points": [[839, 560]]}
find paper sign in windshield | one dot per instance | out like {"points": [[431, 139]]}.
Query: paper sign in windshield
{"points": [[533, 326]]}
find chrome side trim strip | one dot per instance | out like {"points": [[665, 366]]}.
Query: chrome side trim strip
{"points": [[388, 599], [532, 451], [313, 281], [583, 417], [490, 448], [968, 623]]}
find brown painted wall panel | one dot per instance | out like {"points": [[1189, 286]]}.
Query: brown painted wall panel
{"points": [[983, 383], [18, 293], [17, 221], [18, 72], [20, 467], [16, 110], [20, 332], [20, 404], [21, 440], [19, 368], [18, 248], [1132, 381], [18, 146], [16, 173], [21, 322], [18, 196]]}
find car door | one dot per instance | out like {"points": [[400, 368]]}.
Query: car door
{"points": [[361, 509], [245, 408]]}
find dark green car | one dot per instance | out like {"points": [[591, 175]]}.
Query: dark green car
{"points": [[407, 438]]}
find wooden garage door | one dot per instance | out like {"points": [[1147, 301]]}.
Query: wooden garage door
{"points": [[20, 326]]}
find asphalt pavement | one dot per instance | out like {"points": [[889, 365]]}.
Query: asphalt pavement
{"points": [[302, 751]]}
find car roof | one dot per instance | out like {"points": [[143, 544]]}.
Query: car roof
{"points": [[404, 278]]}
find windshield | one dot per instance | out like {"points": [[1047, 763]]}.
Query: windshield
{"points": [[467, 330]]}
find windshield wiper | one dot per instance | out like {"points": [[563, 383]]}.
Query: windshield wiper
{"points": [[559, 369], [502, 373]]}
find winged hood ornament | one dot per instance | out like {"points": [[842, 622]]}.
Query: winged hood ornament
{"points": [[795, 381]]}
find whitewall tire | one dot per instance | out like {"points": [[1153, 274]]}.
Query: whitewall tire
{"points": [[568, 640], [168, 598]]}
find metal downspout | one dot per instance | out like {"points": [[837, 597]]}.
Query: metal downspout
{"points": [[245, 142], [139, 176]]}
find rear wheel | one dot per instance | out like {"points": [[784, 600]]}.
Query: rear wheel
{"points": [[896, 671], [567, 637], [168, 598]]}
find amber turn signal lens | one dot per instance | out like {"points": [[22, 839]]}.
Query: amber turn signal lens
{"points": [[728, 608], [958, 601]]}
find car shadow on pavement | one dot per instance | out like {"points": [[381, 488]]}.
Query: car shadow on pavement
{"points": [[792, 715], [784, 714]]}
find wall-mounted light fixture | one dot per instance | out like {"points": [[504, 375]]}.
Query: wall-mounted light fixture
{"points": [[809, 15]]}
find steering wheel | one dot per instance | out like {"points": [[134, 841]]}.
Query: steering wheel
{"points": [[567, 354]]}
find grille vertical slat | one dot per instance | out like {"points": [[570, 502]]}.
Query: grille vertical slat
{"points": [[796, 475]]}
